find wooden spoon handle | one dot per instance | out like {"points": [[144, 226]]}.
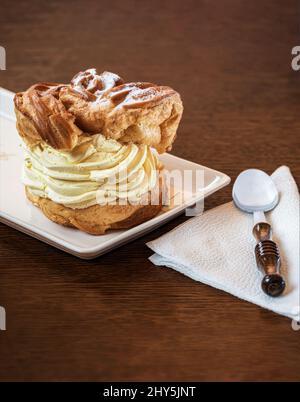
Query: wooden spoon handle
{"points": [[268, 260]]}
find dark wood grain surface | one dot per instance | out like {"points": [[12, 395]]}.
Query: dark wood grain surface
{"points": [[118, 317]]}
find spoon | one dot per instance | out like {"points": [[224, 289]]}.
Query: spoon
{"points": [[255, 192]]}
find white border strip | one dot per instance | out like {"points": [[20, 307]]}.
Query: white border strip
{"points": [[7, 104]]}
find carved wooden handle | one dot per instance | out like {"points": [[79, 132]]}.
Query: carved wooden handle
{"points": [[268, 260]]}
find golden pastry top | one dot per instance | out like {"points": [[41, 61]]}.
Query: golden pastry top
{"points": [[57, 114]]}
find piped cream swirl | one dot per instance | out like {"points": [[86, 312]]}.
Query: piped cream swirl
{"points": [[97, 171]]}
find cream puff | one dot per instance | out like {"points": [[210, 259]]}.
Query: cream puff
{"points": [[92, 149]]}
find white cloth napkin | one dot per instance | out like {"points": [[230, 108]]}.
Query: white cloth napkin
{"points": [[217, 248]]}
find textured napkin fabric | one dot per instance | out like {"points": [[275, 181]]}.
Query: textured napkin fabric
{"points": [[217, 248]]}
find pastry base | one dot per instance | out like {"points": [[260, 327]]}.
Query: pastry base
{"points": [[97, 219]]}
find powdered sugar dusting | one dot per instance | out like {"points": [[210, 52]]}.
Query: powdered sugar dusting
{"points": [[96, 84]]}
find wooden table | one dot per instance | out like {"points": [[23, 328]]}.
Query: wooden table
{"points": [[118, 317]]}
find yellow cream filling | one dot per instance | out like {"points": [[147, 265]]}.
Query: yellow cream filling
{"points": [[97, 171]]}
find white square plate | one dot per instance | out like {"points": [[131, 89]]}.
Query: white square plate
{"points": [[20, 214]]}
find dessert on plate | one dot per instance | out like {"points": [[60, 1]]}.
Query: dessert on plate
{"points": [[92, 149]]}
